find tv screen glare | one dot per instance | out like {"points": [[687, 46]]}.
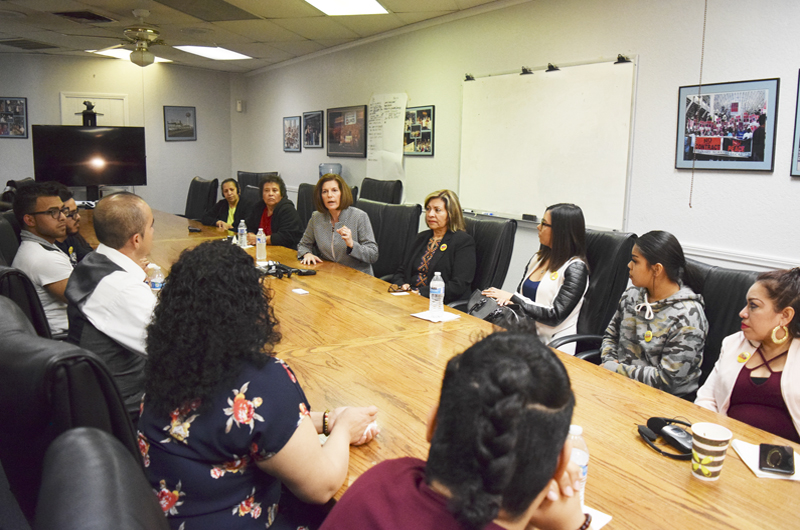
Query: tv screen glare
{"points": [[89, 156]]}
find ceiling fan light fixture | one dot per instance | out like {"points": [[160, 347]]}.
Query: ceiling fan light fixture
{"points": [[142, 57], [213, 52]]}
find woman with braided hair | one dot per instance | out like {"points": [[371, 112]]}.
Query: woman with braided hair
{"points": [[498, 444]]}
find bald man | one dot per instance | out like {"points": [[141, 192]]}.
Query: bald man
{"points": [[110, 305]]}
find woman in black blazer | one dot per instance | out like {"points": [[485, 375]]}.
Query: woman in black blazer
{"points": [[446, 248], [276, 214]]}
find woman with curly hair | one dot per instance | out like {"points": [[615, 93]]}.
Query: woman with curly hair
{"points": [[223, 421], [498, 444]]}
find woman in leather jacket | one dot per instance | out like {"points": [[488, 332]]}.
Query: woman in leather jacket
{"points": [[551, 291]]}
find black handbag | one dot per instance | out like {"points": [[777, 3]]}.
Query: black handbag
{"points": [[480, 306]]}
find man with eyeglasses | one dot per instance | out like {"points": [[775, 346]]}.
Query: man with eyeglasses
{"points": [[73, 243], [42, 219]]}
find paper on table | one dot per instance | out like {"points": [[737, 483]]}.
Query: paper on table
{"points": [[402, 293], [299, 291], [444, 317], [599, 519], [749, 455]]}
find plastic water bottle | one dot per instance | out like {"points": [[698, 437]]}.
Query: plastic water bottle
{"points": [[580, 455], [156, 279], [436, 306], [261, 247], [242, 234]]}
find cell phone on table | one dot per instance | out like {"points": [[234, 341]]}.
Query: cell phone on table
{"points": [[776, 459]]}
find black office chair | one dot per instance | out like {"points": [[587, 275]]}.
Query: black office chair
{"points": [[246, 178], [251, 196], [9, 242], [7, 197], [17, 287], [305, 202], [202, 196], [608, 254], [389, 191], [90, 481], [494, 244], [49, 387], [12, 220], [393, 243], [724, 293]]}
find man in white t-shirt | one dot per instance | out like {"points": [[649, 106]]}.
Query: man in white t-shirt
{"points": [[42, 220]]}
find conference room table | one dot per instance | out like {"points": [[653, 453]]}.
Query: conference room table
{"points": [[351, 342]]}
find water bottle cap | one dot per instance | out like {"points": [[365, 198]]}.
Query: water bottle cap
{"points": [[575, 430]]}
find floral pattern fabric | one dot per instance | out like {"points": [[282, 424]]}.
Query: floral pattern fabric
{"points": [[201, 461]]}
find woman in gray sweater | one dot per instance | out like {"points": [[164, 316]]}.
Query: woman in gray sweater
{"points": [[337, 231]]}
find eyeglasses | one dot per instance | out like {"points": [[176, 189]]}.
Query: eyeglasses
{"points": [[55, 212], [397, 289], [545, 224], [71, 213]]}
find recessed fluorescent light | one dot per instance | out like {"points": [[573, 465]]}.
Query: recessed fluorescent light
{"points": [[122, 53], [218, 54], [348, 7]]}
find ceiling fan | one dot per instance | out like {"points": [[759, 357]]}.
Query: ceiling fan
{"points": [[142, 36]]}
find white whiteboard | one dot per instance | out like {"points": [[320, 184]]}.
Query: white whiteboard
{"points": [[529, 141]]}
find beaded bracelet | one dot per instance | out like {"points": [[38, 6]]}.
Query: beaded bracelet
{"points": [[325, 417], [587, 522]]}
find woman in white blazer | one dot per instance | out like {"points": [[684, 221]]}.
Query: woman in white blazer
{"points": [[755, 379], [551, 291]]}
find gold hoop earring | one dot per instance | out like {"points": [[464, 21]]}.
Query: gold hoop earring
{"points": [[785, 334]]}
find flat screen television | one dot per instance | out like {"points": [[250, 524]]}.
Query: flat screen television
{"points": [[89, 156]]}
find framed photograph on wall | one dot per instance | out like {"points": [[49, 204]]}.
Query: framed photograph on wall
{"points": [[727, 125], [418, 131], [291, 134], [313, 129], [347, 131], [180, 124], [13, 117], [795, 166]]}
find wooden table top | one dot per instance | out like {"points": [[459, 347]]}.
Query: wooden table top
{"points": [[350, 342]]}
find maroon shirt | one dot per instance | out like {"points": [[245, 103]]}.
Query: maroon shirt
{"points": [[762, 405], [266, 222], [393, 495]]}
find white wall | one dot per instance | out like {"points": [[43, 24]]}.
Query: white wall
{"points": [[738, 219], [170, 165]]}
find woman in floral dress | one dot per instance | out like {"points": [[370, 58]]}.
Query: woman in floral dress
{"points": [[223, 422]]}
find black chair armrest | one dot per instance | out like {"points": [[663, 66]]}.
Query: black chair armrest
{"points": [[591, 355]]}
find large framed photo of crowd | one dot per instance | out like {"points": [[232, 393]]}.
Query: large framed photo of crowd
{"points": [[13, 117], [418, 131], [291, 134], [727, 125], [347, 131]]}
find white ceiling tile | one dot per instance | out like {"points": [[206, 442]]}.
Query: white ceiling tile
{"points": [[260, 30], [419, 16], [259, 50], [408, 6], [278, 8], [367, 25], [300, 48], [315, 28]]}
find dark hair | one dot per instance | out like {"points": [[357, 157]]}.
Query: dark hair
{"points": [[26, 196], [504, 414], [455, 218], [662, 247], [118, 217], [783, 288], [346, 199], [235, 183], [64, 193], [192, 352], [274, 179], [762, 119], [568, 235]]}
